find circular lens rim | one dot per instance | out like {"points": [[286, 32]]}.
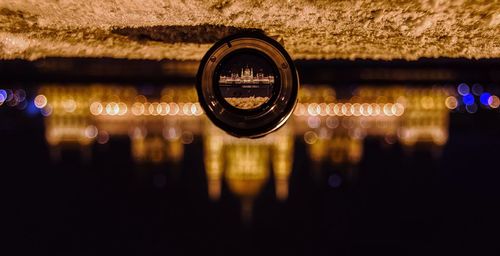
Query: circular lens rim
{"points": [[274, 116]]}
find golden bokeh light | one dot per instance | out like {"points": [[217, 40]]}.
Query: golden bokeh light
{"points": [[332, 129], [40, 101]]}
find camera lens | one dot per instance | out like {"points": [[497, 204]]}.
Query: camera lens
{"points": [[247, 85]]}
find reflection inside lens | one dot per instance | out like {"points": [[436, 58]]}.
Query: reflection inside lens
{"points": [[246, 80]]}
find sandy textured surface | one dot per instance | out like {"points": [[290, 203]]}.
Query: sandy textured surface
{"points": [[184, 30]]}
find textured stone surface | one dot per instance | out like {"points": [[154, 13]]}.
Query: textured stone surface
{"points": [[184, 30]]}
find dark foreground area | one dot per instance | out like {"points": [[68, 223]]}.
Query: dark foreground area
{"points": [[376, 195]]}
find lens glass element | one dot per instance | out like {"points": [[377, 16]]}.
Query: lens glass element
{"points": [[246, 79], [247, 85]]}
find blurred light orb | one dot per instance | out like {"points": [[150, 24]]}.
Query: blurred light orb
{"points": [[186, 109], [171, 133], [334, 181], [463, 89], [194, 109], [477, 89], [122, 108], [154, 109], [494, 101], [451, 102], [40, 101], [356, 109], [471, 108], [376, 109], [313, 122], [102, 137], [174, 109], [112, 108], [332, 122], [348, 109], [398, 109], [138, 109], [2, 99], [20, 95], [199, 110], [31, 109], [337, 108], [390, 139], [12, 101], [69, 105], [138, 133], [329, 109], [91, 131], [484, 98], [387, 109], [3, 93], [96, 108], [163, 108], [322, 109], [141, 99], [312, 109], [310, 137], [46, 111], [439, 137], [468, 99], [366, 109], [427, 102], [9, 95], [187, 137]]}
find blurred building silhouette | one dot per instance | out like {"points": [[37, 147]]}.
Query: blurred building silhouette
{"points": [[159, 127], [246, 77]]}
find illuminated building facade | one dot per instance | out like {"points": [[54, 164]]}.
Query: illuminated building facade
{"points": [[246, 77], [159, 127]]}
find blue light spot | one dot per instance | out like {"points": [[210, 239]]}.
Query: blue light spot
{"points": [[3, 93], [468, 99], [484, 98], [31, 109], [463, 89]]}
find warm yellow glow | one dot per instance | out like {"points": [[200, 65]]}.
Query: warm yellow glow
{"points": [[337, 109], [332, 129], [310, 137], [356, 109], [427, 102], [122, 108], [494, 101], [103, 137], [398, 109], [96, 108], [69, 105], [451, 102], [138, 109], [388, 109], [174, 109], [73, 113], [312, 109], [91, 132], [154, 108], [163, 109]]}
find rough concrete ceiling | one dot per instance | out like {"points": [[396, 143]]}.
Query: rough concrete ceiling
{"points": [[185, 29]]}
